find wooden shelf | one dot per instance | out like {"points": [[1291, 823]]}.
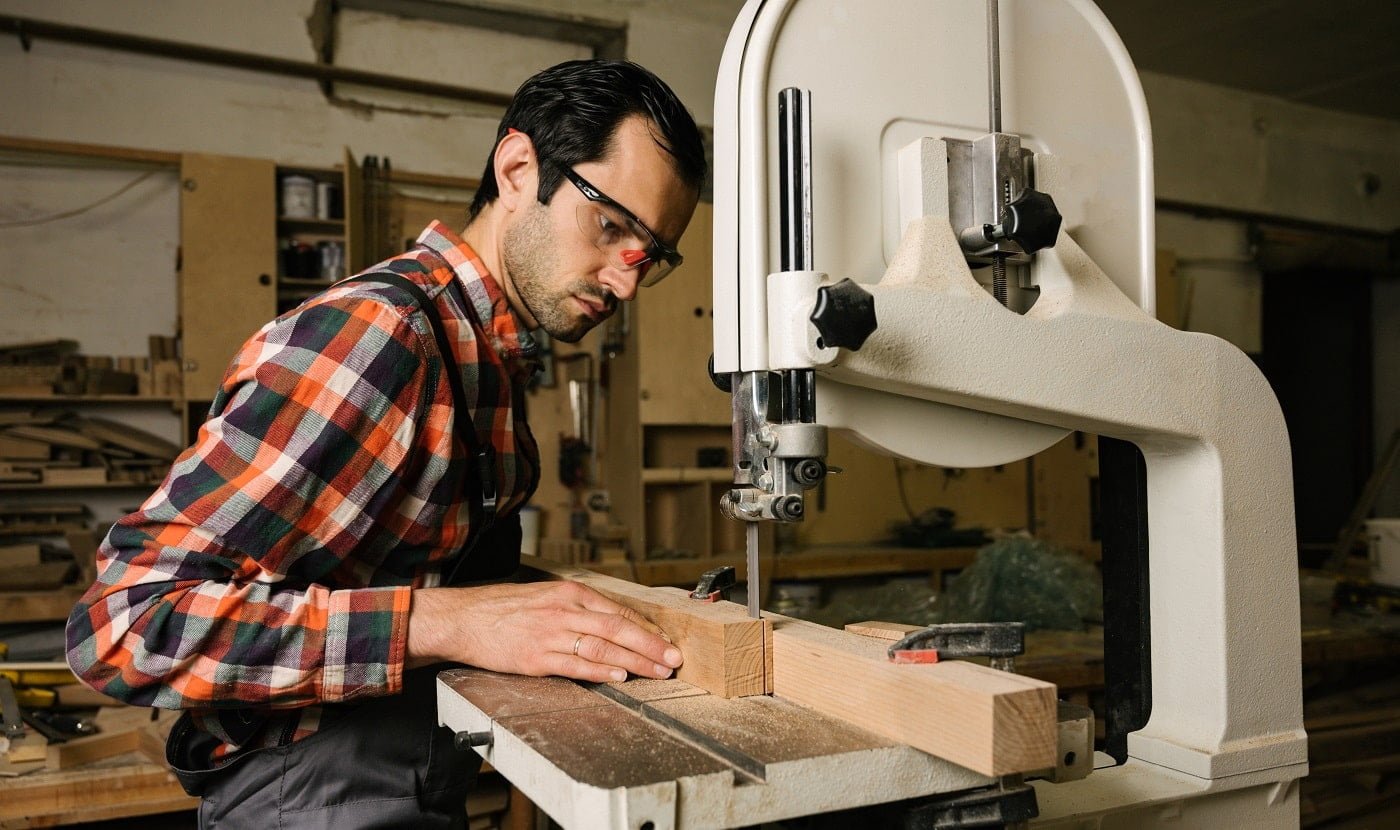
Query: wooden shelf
{"points": [[24, 487], [289, 224], [78, 399], [686, 475], [825, 562]]}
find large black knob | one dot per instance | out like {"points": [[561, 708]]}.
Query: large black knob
{"points": [[844, 315], [722, 381], [1031, 221]]}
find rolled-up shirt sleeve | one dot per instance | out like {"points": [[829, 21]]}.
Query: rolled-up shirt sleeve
{"points": [[213, 593]]}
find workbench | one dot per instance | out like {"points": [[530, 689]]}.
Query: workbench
{"points": [[135, 783]]}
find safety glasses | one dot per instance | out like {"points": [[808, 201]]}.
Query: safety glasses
{"points": [[628, 244]]}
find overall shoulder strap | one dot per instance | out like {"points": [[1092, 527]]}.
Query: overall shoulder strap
{"points": [[482, 452]]}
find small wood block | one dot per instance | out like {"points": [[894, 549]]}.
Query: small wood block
{"points": [[991, 722], [30, 747], [75, 476], [882, 630], [92, 748], [724, 647]]}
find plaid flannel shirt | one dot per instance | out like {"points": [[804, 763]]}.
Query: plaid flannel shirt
{"points": [[272, 570]]}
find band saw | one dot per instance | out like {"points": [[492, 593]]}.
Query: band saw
{"points": [[933, 230]]}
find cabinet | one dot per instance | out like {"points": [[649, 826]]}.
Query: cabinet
{"points": [[234, 274], [228, 262]]}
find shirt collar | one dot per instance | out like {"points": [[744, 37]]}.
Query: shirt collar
{"points": [[510, 338]]}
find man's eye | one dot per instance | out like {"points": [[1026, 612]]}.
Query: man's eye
{"points": [[608, 230]]}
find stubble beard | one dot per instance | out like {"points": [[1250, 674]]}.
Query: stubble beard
{"points": [[531, 260]]}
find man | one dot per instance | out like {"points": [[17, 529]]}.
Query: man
{"points": [[292, 584]]}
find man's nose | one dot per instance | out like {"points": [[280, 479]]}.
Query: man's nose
{"points": [[622, 283]]}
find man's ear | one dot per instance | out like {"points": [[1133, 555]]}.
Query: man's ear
{"points": [[517, 170]]}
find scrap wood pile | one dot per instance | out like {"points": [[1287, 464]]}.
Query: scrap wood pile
{"points": [[27, 565], [52, 367], [56, 447]]}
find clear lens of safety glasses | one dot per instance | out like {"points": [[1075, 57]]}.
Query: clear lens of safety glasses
{"points": [[627, 245]]}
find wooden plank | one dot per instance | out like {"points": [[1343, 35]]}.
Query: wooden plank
{"points": [[724, 648], [828, 561], [990, 722], [128, 437], [12, 446], [74, 476], [67, 796], [56, 436], [890, 631], [102, 151], [38, 606], [35, 577], [79, 751]]}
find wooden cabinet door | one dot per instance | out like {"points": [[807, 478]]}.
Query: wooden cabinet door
{"points": [[228, 243], [353, 189], [674, 334]]}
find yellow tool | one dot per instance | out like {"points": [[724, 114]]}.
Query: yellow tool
{"points": [[33, 682]]}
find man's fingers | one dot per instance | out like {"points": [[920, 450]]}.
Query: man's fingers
{"points": [[618, 629], [577, 668], [598, 650]]}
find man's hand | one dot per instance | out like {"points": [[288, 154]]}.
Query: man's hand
{"points": [[540, 628]]}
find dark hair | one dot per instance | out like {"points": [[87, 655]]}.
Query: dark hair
{"points": [[571, 112]]}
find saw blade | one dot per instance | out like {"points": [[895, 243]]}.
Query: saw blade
{"points": [[751, 531]]}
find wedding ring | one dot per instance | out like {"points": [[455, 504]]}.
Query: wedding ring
{"points": [[578, 643]]}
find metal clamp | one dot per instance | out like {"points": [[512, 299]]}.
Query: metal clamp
{"points": [[714, 584], [1000, 641]]}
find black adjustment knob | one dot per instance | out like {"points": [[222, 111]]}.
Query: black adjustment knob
{"points": [[1031, 221], [723, 382], [844, 315]]}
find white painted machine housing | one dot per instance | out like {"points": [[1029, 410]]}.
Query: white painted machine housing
{"points": [[953, 378], [884, 73]]}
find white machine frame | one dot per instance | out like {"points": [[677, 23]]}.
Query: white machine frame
{"points": [[952, 377]]}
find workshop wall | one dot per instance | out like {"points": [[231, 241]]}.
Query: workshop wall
{"points": [[105, 277]]}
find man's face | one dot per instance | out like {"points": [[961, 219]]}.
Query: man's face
{"points": [[566, 283]]}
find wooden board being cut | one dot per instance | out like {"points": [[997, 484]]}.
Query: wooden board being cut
{"points": [[988, 721], [991, 722], [724, 648]]}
